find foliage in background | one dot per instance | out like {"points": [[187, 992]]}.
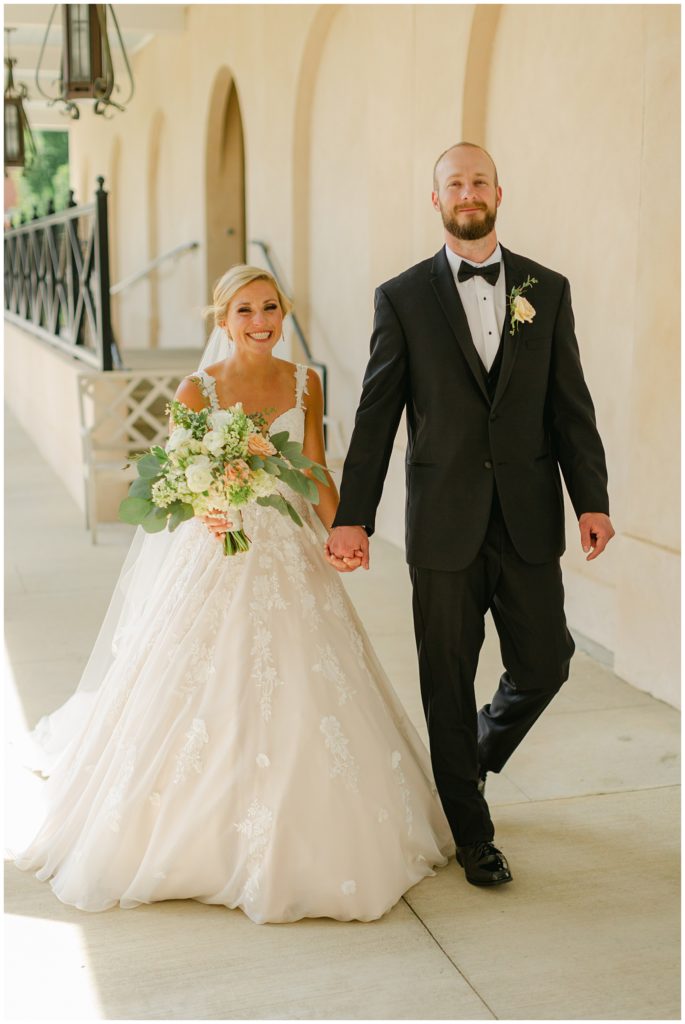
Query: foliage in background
{"points": [[47, 177]]}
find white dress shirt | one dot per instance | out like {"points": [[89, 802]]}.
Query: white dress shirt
{"points": [[485, 305]]}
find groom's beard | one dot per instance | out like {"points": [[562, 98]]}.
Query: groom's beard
{"points": [[472, 228]]}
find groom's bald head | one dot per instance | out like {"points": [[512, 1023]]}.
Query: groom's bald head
{"points": [[449, 154]]}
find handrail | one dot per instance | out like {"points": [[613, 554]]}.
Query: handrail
{"points": [[57, 280], [140, 274]]}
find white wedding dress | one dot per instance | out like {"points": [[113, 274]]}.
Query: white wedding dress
{"points": [[245, 747]]}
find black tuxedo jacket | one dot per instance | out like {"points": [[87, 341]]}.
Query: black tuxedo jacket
{"points": [[460, 443]]}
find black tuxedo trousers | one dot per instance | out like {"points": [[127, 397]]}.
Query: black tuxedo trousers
{"points": [[527, 604], [484, 508]]}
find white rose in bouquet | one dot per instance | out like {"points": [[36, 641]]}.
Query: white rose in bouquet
{"points": [[220, 419], [178, 437], [199, 474], [213, 441]]}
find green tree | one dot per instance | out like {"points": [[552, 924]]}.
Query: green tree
{"points": [[47, 177]]}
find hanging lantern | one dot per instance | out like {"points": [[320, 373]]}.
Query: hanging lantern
{"points": [[82, 61], [16, 122], [14, 135], [87, 68]]}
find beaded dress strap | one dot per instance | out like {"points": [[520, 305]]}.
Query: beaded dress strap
{"points": [[300, 384], [207, 386]]}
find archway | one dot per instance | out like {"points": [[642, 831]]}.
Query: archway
{"points": [[224, 180], [477, 77], [309, 71]]}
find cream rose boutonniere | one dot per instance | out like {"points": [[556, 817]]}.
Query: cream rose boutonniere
{"points": [[520, 309]]}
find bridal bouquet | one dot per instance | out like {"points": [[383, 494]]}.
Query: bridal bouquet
{"points": [[217, 462]]}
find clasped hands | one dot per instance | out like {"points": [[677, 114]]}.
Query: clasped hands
{"points": [[347, 548]]}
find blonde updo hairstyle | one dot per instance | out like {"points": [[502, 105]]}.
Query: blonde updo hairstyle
{"points": [[231, 283]]}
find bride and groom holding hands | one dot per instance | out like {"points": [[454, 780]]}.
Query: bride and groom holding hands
{"points": [[244, 746]]}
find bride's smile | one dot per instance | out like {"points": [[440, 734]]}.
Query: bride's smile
{"points": [[254, 319]]}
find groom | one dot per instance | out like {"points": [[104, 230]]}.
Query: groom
{"points": [[478, 344]]}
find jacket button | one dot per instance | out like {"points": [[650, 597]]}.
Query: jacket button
{"points": [[493, 417], [487, 464]]}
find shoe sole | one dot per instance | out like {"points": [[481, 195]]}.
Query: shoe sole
{"points": [[489, 885]]}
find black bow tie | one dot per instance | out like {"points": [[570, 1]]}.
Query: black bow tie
{"points": [[490, 273]]}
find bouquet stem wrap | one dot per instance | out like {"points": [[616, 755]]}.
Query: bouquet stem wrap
{"points": [[235, 539]]}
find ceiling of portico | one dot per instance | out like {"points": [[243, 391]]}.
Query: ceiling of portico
{"points": [[139, 23]]}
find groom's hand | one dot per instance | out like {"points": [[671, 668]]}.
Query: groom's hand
{"points": [[595, 533], [347, 548]]}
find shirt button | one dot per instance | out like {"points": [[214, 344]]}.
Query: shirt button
{"points": [[487, 464]]}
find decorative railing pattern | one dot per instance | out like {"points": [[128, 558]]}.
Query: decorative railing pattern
{"points": [[122, 413], [57, 281]]}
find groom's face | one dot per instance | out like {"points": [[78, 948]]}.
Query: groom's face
{"points": [[466, 193]]}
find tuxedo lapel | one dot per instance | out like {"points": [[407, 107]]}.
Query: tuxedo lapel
{"points": [[442, 281], [510, 343]]}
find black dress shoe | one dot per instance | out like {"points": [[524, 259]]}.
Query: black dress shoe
{"points": [[484, 864]]}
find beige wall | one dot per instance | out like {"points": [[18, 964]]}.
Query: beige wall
{"points": [[41, 390], [598, 200], [344, 109]]}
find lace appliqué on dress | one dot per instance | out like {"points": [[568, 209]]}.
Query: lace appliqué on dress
{"points": [[265, 597], [256, 827], [200, 669], [342, 761], [329, 665], [301, 386], [207, 386], [335, 602], [404, 790], [188, 758]]}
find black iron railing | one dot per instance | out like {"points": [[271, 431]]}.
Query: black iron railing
{"points": [[57, 281]]}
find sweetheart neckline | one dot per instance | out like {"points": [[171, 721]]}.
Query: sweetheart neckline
{"points": [[222, 408], [293, 408]]}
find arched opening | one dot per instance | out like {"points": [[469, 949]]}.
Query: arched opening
{"points": [[225, 180], [309, 71], [477, 78]]}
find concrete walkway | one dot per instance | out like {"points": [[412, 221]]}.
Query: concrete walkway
{"points": [[587, 812]]}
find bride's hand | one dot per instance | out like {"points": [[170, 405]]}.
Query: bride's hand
{"points": [[217, 524]]}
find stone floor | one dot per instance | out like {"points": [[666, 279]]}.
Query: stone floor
{"points": [[587, 812]]}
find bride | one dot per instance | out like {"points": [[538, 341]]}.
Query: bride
{"points": [[234, 739]]}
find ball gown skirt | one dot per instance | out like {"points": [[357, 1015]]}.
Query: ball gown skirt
{"points": [[245, 748]]}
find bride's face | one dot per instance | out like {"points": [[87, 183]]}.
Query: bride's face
{"points": [[254, 319]]}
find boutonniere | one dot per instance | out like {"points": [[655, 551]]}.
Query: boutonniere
{"points": [[520, 309]]}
